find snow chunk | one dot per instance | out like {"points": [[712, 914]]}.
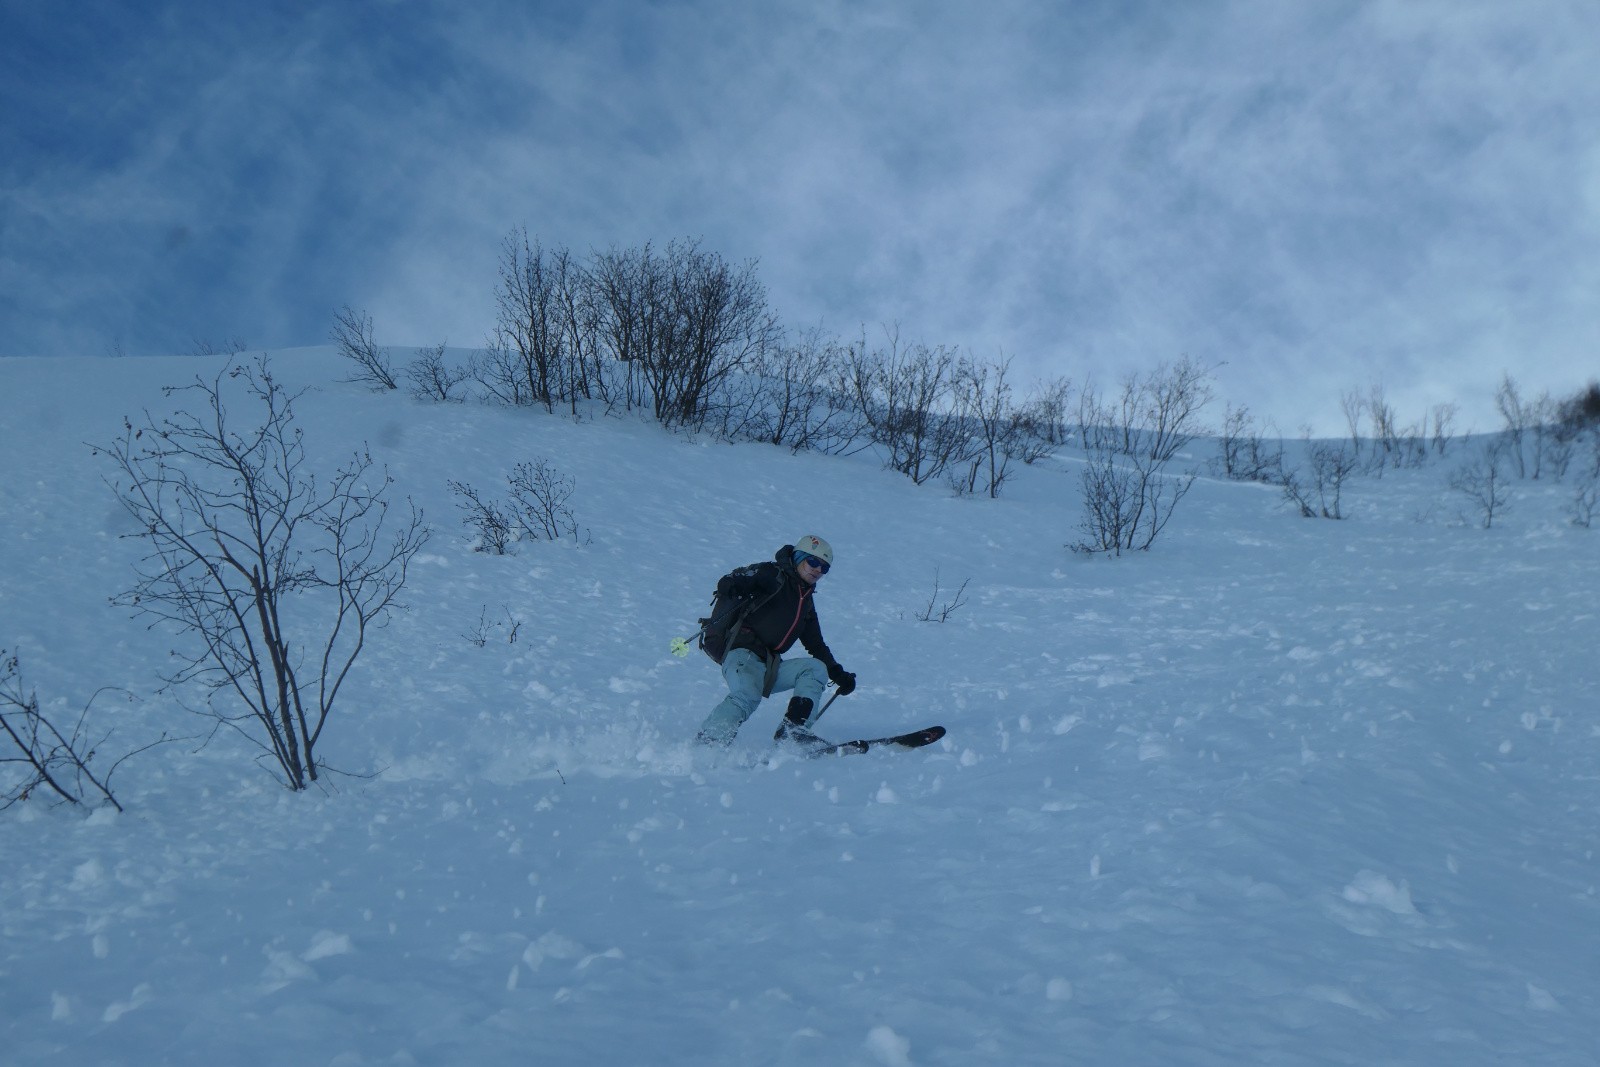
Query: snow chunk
{"points": [[1058, 989], [886, 795], [327, 943], [889, 1047], [1370, 887], [1541, 1000], [142, 995], [87, 874]]}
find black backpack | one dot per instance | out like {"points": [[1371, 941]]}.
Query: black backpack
{"points": [[728, 613]]}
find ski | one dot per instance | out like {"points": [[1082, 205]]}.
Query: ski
{"points": [[914, 739]]}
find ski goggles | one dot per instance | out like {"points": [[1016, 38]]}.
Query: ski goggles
{"points": [[821, 564]]}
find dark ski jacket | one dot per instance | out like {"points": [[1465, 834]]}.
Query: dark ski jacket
{"points": [[785, 611]]}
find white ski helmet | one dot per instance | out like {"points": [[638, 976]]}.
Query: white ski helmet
{"points": [[812, 545]]}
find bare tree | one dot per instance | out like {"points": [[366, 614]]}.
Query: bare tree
{"points": [[1585, 501], [352, 338], [681, 322], [1483, 482], [1322, 493], [1002, 434], [790, 398], [1354, 406], [1517, 417], [275, 575], [904, 392], [1046, 410], [1128, 496], [525, 358], [1444, 418], [1385, 430], [721, 324], [1245, 454]]}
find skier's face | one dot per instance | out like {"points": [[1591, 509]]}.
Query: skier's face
{"points": [[810, 568]]}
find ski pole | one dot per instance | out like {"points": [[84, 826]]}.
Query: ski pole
{"points": [[680, 645]]}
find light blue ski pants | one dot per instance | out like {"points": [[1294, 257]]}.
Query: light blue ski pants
{"points": [[744, 671]]}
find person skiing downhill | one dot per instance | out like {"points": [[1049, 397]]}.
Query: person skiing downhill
{"points": [[783, 613]]}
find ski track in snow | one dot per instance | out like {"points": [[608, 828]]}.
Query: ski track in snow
{"points": [[1280, 791]]}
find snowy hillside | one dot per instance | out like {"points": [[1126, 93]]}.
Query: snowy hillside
{"points": [[1280, 791]]}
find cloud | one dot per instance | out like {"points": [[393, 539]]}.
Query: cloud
{"points": [[1315, 197]]}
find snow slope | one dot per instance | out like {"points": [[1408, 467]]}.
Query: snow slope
{"points": [[1279, 791]]}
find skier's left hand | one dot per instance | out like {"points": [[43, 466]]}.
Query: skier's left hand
{"points": [[843, 679]]}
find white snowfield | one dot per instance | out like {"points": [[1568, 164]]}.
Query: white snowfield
{"points": [[1279, 791]]}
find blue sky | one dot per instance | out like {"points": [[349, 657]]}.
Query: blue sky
{"points": [[1315, 196]]}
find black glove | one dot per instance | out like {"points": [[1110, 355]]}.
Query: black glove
{"points": [[842, 678]]}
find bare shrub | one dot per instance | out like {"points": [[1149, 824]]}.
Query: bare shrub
{"points": [[1245, 454], [535, 509], [937, 612], [1483, 481], [1002, 432], [1444, 419], [1128, 496], [353, 339], [1045, 411], [681, 322], [526, 360], [434, 379], [494, 525], [903, 392], [44, 757], [539, 495], [275, 575], [1320, 493], [1586, 492], [790, 397]]}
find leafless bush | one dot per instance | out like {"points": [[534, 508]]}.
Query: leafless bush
{"points": [[937, 612], [433, 379], [543, 349], [790, 397], [493, 523], [233, 346], [1045, 411], [352, 338], [277, 577], [1518, 417], [1444, 418], [539, 494], [903, 392], [1483, 482], [1127, 501], [535, 509], [1586, 492], [1128, 496], [681, 322], [44, 757], [1002, 432], [1321, 492], [1245, 454], [478, 636]]}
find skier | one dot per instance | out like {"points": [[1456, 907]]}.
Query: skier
{"points": [[782, 613]]}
